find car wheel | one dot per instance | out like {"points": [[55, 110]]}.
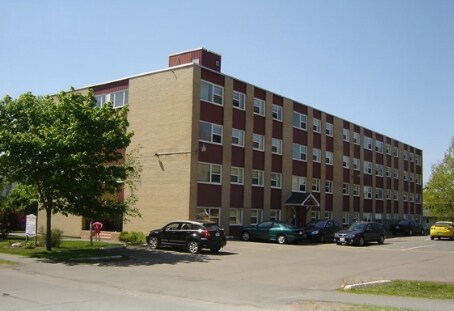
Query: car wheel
{"points": [[215, 250], [432, 238], [338, 243], [423, 232], [361, 241], [322, 238], [410, 232], [153, 242], [193, 247], [281, 239], [381, 239], [246, 236]]}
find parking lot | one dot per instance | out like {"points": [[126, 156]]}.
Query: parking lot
{"points": [[242, 276]]}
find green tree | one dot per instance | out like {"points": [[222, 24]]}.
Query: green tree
{"points": [[69, 151], [439, 191]]}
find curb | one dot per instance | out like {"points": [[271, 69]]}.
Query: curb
{"points": [[366, 284]]}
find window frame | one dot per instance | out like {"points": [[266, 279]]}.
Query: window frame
{"points": [[258, 142], [210, 172], [259, 106], [241, 100], [239, 138], [259, 178], [300, 119], [276, 148], [277, 112], [239, 175], [212, 132], [302, 151], [212, 93]]}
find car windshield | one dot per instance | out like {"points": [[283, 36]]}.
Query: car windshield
{"points": [[316, 224], [212, 227], [443, 224], [357, 226], [404, 222]]}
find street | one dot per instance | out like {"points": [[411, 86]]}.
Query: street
{"points": [[242, 276]]}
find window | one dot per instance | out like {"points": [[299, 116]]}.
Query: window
{"points": [[345, 217], [367, 143], [256, 216], [388, 171], [346, 135], [405, 176], [315, 215], [396, 195], [236, 216], [346, 161], [388, 149], [329, 158], [298, 184], [405, 155], [299, 152], [299, 120], [367, 192], [396, 173], [356, 164], [277, 112], [316, 185], [345, 189], [356, 190], [276, 180], [317, 126], [275, 215], [418, 159], [209, 173], [379, 170], [257, 178], [237, 137], [276, 146], [211, 93], [329, 215], [328, 186], [238, 100], [356, 138], [316, 155], [412, 157], [388, 194], [209, 213], [367, 168], [258, 142], [259, 106], [236, 175], [329, 129], [379, 146], [396, 151], [118, 99], [379, 193], [210, 132]]}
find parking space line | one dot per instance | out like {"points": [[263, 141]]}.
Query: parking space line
{"points": [[416, 247]]}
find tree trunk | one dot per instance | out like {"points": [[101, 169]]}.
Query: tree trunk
{"points": [[49, 229]]}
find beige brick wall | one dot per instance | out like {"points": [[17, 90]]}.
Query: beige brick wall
{"points": [[160, 115]]}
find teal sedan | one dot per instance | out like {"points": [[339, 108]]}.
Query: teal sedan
{"points": [[275, 231]]}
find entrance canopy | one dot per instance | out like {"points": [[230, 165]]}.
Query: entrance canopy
{"points": [[301, 199]]}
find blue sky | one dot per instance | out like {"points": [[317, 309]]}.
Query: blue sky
{"points": [[386, 65]]}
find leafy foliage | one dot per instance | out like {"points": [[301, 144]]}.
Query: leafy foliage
{"points": [[439, 194], [70, 152], [133, 237]]}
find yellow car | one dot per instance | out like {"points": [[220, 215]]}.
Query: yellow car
{"points": [[442, 229]]}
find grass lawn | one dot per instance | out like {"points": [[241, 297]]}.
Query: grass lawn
{"points": [[418, 289], [69, 250]]}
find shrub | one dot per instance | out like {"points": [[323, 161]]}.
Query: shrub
{"points": [[56, 237], [133, 237]]}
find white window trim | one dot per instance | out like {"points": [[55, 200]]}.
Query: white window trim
{"points": [[211, 100], [240, 175], [212, 133], [279, 112], [260, 140], [260, 177], [211, 165], [260, 105], [278, 147], [242, 102], [241, 139]]}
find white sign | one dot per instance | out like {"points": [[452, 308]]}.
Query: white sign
{"points": [[30, 225]]}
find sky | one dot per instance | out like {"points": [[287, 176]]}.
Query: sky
{"points": [[385, 65]]}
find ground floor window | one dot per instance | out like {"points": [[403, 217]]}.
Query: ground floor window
{"points": [[236, 216], [256, 216], [114, 223], [209, 213], [315, 215], [275, 214]]}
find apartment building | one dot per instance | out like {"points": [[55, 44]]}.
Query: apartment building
{"points": [[215, 147]]}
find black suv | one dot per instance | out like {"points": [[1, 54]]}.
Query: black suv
{"points": [[194, 235], [321, 230], [361, 233], [407, 227]]}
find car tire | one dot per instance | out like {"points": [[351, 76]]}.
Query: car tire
{"points": [[281, 239], [245, 236], [361, 241], [432, 238], [153, 242], [423, 232], [193, 247], [410, 232], [338, 243], [322, 238], [215, 249], [381, 239]]}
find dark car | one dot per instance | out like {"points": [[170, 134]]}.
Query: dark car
{"points": [[407, 227], [320, 230], [278, 231], [194, 235], [361, 233]]}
